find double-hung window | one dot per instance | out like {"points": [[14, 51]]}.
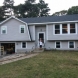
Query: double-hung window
{"points": [[22, 29], [72, 28], [4, 30], [64, 29], [57, 44], [57, 29], [71, 44], [23, 44]]}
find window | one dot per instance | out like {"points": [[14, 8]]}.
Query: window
{"points": [[23, 44], [3, 29], [64, 29], [57, 29], [72, 28], [57, 44], [22, 28], [71, 44]]}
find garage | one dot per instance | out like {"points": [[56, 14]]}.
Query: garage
{"points": [[9, 48]]}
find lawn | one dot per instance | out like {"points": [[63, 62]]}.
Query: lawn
{"points": [[55, 64]]}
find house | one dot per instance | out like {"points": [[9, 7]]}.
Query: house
{"points": [[57, 32]]}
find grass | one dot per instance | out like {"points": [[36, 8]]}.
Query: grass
{"points": [[55, 64]]}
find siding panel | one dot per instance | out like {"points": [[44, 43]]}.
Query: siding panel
{"points": [[13, 33]]}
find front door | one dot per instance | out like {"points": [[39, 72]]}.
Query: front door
{"points": [[41, 36]]}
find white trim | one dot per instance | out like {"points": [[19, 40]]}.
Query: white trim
{"points": [[38, 37], [47, 32], [74, 44], [2, 28], [54, 29], [53, 22], [68, 27], [60, 44], [14, 18], [20, 29], [61, 29], [34, 31], [76, 27], [21, 45]]}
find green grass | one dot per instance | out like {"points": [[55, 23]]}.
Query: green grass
{"points": [[55, 64]]}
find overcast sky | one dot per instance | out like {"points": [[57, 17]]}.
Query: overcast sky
{"points": [[54, 5]]}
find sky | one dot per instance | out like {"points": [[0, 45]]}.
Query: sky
{"points": [[54, 5]]}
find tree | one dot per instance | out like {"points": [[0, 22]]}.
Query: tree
{"points": [[28, 9], [1, 14], [60, 13], [43, 8], [32, 9], [8, 7], [73, 10]]}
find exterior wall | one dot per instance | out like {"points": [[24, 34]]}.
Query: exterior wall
{"points": [[52, 36], [18, 47], [64, 45], [0, 50], [37, 30], [29, 47], [13, 33], [32, 31]]}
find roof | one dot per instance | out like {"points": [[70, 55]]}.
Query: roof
{"points": [[73, 17]]}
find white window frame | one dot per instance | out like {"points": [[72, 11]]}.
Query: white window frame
{"points": [[60, 44], [64, 28], [2, 29], [54, 29], [21, 27], [22, 45], [68, 27], [69, 44], [75, 28]]}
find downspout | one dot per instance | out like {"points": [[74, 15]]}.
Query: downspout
{"points": [[29, 33]]}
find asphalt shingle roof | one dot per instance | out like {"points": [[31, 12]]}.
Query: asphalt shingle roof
{"points": [[51, 19]]}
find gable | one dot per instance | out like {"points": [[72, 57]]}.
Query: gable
{"points": [[12, 22], [13, 26]]}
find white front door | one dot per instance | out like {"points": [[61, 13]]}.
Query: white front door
{"points": [[42, 36]]}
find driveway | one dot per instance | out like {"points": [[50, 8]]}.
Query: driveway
{"points": [[15, 57]]}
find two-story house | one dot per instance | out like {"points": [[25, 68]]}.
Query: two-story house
{"points": [[57, 32]]}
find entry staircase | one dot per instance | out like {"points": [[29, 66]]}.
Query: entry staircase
{"points": [[38, 50]]}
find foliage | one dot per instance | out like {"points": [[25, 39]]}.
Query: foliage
{"points": [[53, 64], [32, 9], [1, 14], [8, 7], [43, 8], [73, 10], [60, 13]]}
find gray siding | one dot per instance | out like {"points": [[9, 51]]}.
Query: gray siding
{"points": [[52, 36], [29, 47], [13, 33], [64, 45], [32, 31]]}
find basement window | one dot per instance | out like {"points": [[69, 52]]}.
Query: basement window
{"points": [[23, 44]]}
